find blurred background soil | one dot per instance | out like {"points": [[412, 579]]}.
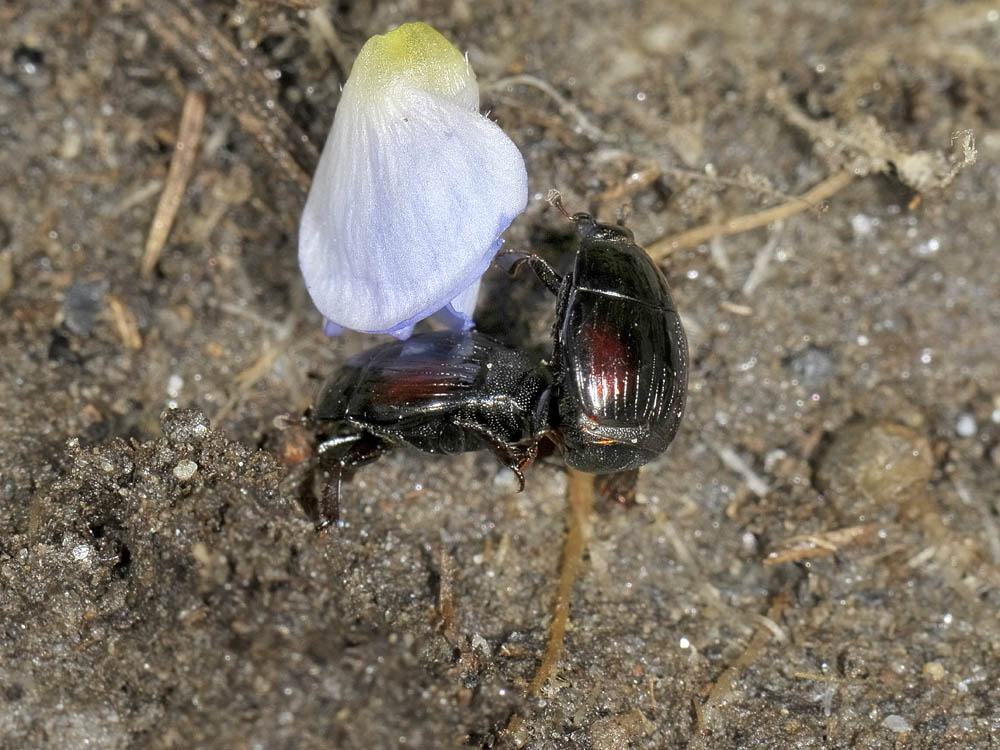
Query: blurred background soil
{"points": [[815, 562]]}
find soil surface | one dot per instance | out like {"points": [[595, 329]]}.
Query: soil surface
{"points": [[815, 561]]}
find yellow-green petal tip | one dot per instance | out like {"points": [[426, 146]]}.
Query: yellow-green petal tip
{"points": [[416, 54]]}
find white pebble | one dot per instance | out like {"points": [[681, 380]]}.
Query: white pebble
{"points": [[930, 247], [863, 225], [480, 644], [966, 425], [174, 385], [185, 469]]}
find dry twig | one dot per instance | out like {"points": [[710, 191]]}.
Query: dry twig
{"points": [[693, 237], [722, 688], [181, 167], [323, 34], [824, 544], [124, 322], [636, 181], [446, 596]]}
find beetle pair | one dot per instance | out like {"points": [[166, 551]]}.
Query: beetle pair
{"points": [[613, 396]]}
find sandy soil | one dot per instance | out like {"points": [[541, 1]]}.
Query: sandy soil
{"points": [[815, 562]]}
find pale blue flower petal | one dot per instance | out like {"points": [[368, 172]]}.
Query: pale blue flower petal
{"points": [[401, 332], [457, 314], [407, 204]]}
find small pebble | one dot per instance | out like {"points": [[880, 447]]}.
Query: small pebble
{"points": [[934, 670], [812, 367], [185, 469], [873, 468], [174, 385], [28, 59], [863, 225], [84, 301], [896, 723], [966, 426], [183, 425], [481, 645]]}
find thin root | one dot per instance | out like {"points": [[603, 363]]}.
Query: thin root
{"points": [[566, 107], [580, 493], [757, 484], [446, 596], [125, 324], [824, 544]]}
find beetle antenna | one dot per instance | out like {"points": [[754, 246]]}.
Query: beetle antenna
{"points": [[624, 214], [554, 199]]}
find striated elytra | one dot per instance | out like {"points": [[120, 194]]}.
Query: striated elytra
{"points": [[620, 355]]}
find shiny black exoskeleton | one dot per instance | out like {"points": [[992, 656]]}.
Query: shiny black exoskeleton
{"points": [[442, 392], [620, 356]]}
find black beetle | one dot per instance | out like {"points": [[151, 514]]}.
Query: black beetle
{"points": [[442, 392], [620, 356]]}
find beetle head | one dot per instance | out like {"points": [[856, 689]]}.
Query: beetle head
{"points": [[588, 227], [591, 229]]}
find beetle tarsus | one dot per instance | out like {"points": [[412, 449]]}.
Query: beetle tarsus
{"points": [[329, 511], [287, 421], [520, 478], [515, 456]]}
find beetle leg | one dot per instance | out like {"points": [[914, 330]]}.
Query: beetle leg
{"points": [[339, 456], [329, 510], [515, 456], [512, 262], [619, 487]]}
